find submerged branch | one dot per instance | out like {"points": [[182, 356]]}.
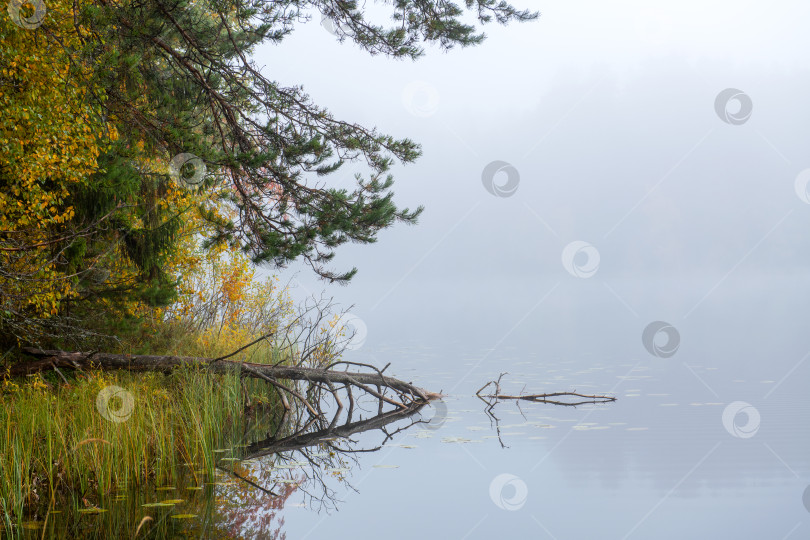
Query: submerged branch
{"points": [[540, 398], [494, 398]]}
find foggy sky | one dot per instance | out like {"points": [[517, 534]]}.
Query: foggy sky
{"points": [[607, 113]]}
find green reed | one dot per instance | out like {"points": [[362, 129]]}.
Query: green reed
{"points": [[56, 438]]}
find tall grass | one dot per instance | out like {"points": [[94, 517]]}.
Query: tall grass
{"points": [[55, 438]]}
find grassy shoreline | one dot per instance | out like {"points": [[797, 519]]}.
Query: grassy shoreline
{"points": [[85, 435], [104, 431]]}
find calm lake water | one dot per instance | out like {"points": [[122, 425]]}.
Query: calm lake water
{"points": [[707, 440]]}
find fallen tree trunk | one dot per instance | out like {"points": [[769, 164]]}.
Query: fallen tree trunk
{"points": [[406, 392]]}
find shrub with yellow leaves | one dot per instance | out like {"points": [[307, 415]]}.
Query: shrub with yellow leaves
{"points": [[51, 136]]}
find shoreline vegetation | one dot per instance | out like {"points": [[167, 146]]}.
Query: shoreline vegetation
{"points": [[239, 367], [56, 440], [148, 166], [82, 435], [91, 432]]}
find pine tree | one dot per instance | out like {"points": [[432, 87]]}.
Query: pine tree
{"points": [[179, 77], [126, 120]]}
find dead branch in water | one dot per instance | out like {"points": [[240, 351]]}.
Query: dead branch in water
{"points": [[540, 398], [493, 399]]}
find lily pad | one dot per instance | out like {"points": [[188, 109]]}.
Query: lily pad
{"points": [[91, 510], [184, 516], [291, 464], [156, 504], [456, 440]]}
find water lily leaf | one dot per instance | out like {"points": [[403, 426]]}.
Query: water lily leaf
{"points": [[456, 440], [291, 465], [175, 501], [184, 516], [91, 510]]}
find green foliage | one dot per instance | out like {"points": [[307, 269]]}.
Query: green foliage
{"points": [[184, 66], [55, 439], [99, 100]]}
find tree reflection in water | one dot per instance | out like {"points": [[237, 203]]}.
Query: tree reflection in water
{"points": [[312, 462]]}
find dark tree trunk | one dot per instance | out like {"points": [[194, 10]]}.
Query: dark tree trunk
{"points": [[271, 373]]}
